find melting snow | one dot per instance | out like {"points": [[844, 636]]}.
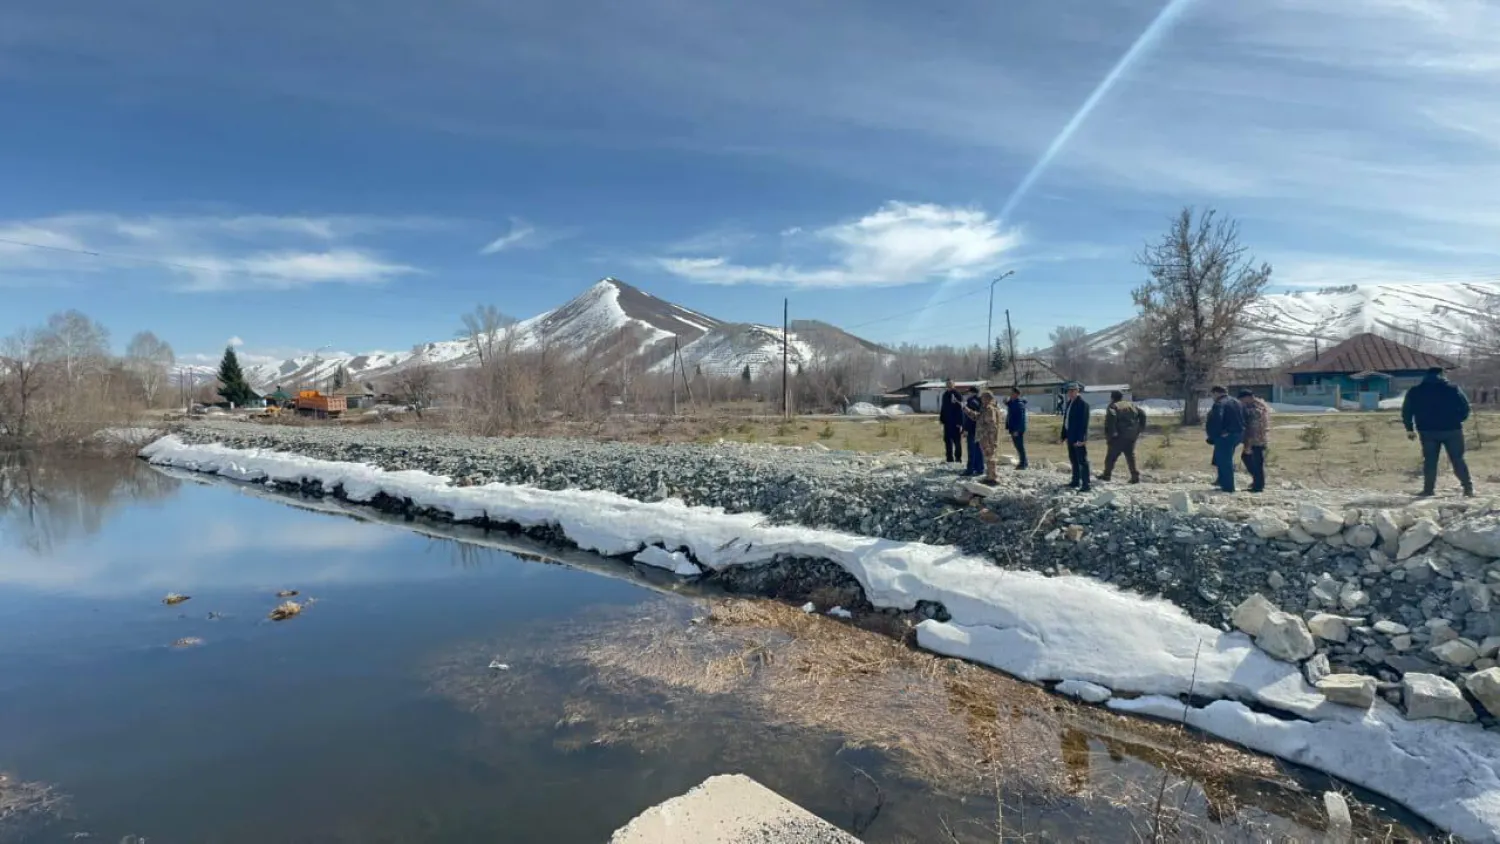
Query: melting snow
{"points": [[1034, 627]]}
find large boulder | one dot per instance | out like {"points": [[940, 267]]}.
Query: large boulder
{"points": [[1320, 521], [1388, 528], [1457, 653], [1485, 686], [1361, 536], [1349, 689], [1299, 535], [1417, 537], [1430, 696], [1286, 637], [1329, 628], [1478, 537], [1250, 616], [1181, 502], [1268, 526]]}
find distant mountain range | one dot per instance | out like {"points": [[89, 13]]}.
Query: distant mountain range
{"points": [[1285, 326], [609, 312]]}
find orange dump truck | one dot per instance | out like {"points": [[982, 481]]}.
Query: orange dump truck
{"points": [[314, 403]]}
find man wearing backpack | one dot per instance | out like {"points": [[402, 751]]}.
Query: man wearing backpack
{"points": [[1123, 423]]}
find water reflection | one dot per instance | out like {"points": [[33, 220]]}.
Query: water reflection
{"points": [[49, 498]]}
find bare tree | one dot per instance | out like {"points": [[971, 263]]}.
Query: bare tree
{"points": [[149, 359], [482, 327], [1070, 352], [79, 344], [1202, 281], [23, 376], [417, 382]]}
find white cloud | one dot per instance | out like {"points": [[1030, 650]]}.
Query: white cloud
{"points": [[900, 243], [523, 235], [235, 341], [255, 251]]}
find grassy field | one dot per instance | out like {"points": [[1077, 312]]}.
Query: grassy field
{"points": [[1365, 450]]}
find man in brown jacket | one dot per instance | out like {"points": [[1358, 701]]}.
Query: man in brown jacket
{"points": [[1257, 437], [1123, 424]]}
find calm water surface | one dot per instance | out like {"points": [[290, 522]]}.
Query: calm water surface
{"points": [[375, 715]]}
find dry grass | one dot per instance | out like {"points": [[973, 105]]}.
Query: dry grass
{"points": [[963, 730], [285, 611], [25, 804]]}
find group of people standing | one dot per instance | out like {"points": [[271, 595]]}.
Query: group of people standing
{"points": [[975, 416], [1434, 410]]}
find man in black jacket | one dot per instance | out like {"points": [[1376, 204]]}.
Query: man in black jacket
{"points": [[1075, 434], [1015, 425], [1437, 409], [951, 414], [1225, 428], [971, 431]]}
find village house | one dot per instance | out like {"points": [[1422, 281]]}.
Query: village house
{"points": [[1359, 372]]}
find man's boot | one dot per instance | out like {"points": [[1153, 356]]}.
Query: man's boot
{"points": [[1135, 478], [1085, 473], [1468, 490], [1074, 483]]}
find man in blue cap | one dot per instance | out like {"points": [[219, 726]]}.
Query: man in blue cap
{"points": [[1075, 434]]}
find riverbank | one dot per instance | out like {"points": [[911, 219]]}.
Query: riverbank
{"points": [[1108, 643]]}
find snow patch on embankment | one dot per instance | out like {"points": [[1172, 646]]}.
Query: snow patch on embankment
{"points": [[1023, 623]]}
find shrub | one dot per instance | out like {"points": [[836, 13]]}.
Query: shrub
{"points": [[1313, 437], [1154, 461], [1362, 429], [827, 432]]}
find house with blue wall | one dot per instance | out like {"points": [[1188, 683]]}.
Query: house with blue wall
{"points": [[1359, 372]]}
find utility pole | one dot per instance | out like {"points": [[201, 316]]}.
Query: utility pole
{"points": [[989, 327], [1010, 338], [674, 374], [786, 384]]}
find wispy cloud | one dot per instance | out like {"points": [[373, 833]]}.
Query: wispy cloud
{"points": [[898, 244], [235, 342], [524, 235], [201, 253]]}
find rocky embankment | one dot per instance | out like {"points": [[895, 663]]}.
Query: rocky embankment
{"points": [[1371, 593]]}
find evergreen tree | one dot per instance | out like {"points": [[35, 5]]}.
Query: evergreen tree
{"points": [[340, 378], [999, 356], [233, 387], [745, 374]]}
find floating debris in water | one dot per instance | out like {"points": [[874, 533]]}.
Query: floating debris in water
{"points": [[215, 616], [174, 599], [287, 593], [286, 611], [497, 665], [187, 642]]}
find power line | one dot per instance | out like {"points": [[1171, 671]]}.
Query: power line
{"points": [[136, 258]]}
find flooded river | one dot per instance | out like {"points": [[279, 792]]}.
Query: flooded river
{"points": [[445, 686]]}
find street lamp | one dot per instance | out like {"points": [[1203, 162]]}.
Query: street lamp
{"points": [[989, 329]]}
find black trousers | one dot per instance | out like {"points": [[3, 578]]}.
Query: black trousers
{"points": [[1078, 456], [1019, 441], [953, 442], [1254, 458], [1112, 452], [1433, 444]]}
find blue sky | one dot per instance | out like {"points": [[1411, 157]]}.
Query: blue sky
{"points": [[358, 174]]}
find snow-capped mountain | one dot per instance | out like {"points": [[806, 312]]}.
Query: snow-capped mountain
{"points": [[1283, 326], [610, 313]]}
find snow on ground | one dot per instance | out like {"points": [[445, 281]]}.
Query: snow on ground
{"points": [[1034, 627], [866, 409], [1173, 407], [675, 562]]}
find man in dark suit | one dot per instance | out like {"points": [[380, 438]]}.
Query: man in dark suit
{"points": [[1075, 434], [951, 415]]}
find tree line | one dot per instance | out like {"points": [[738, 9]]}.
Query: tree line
{"points": [[60, 383]]}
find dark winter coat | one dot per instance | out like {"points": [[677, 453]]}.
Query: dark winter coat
{"points": [[951, 411], [1015, 416], [1075, 427], [1436, 404], [1225, 419], [972, 403], [1124, 421]]}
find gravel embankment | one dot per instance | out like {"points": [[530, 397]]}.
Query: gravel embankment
{"points": [[1147, 539]]}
